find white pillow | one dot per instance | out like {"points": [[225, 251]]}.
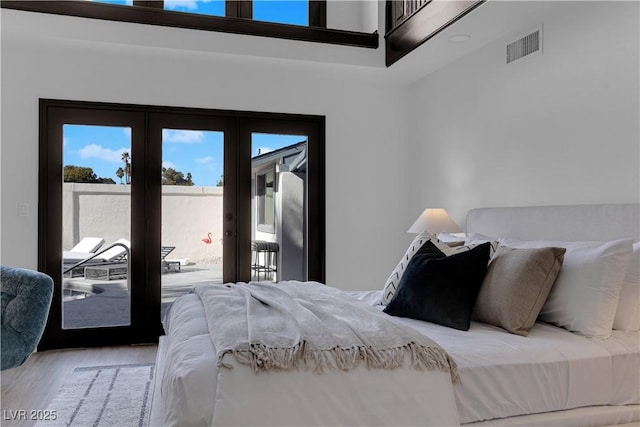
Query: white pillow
{"points": [[628, 313], [392, 282], [585, 295]]}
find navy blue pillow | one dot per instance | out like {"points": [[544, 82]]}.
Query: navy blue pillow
{"points": [[441, 289]]}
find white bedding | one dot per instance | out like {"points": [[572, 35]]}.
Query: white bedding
{"points": [[196, 393], [501, 375], [504, 375]]}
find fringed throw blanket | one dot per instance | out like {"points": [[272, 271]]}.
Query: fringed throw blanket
{"points": [[291, 324]]}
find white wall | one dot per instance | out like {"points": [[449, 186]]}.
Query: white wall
{"points": [[558, 128], [188, 215], [353, 15], [365, 154]]}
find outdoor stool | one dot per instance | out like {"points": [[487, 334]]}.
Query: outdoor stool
{"points": [[264, 259]]}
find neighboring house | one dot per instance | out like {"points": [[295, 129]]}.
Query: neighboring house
{"points": [[279, 209]]}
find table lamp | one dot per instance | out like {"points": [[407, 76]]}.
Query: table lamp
{"points": [[434, 221]]}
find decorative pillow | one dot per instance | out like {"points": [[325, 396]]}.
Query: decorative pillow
{"points": [[441, 289], [392, 282], [585, 296], [516, 286], [628, 312]]}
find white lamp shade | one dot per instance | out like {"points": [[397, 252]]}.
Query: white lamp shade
{"points": [[434, 221]]}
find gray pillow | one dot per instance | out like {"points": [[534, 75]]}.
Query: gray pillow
{"points": [[516, 286]]}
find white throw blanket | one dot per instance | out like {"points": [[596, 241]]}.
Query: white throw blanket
{"points": [[289, 324]]}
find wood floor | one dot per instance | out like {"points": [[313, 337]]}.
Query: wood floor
{"points": [[33, 385]]}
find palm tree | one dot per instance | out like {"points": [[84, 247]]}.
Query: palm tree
{"points": [[120, 174], [127, 166]]}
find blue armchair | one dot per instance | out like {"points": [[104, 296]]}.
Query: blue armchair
{"points": [[25, 301]]}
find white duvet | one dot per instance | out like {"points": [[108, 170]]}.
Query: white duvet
{"points": [[501, 375], [195, 393]]}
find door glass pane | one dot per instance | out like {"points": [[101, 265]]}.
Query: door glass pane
{"points": [[192, 196], [279, 207], [202, 7], [294, 12], [96, 224]]}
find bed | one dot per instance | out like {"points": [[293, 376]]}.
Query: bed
{"points": [[550, 376]]}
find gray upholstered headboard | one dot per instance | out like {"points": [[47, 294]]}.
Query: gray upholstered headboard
{"points": [[570, 223]]}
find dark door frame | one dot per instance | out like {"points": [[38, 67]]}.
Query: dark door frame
{"points": [[314, 130], [53, 115], [146, 203]]}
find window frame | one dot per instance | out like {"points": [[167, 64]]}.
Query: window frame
{"points": [[261, 199], [237, 20]]}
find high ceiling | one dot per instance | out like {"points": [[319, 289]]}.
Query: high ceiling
{"points": [[490, 21]]}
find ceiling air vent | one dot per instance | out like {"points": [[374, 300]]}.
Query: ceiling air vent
{"points": [[525, 46]]}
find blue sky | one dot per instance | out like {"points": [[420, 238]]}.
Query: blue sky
{"points": [[283, 11], [198, 152]]}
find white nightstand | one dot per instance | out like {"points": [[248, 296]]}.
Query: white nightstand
{"points": [[452, 239]]}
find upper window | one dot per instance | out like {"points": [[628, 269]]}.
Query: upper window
{"points": [[203, 7], [292, 12], [304, 20], [295, 12], [120, 2]]}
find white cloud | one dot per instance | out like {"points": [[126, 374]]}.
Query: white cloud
{"points": [[168, 165], [205, 160], [182, 136], [189, 4], [99, 152]]}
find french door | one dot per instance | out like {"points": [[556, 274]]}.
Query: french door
{"points": [[194, 224], [173, 196]]}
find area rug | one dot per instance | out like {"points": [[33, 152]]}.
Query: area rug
{"points": [[103, 396]]}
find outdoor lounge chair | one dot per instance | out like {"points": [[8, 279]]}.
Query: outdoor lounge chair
{"points": [[88, 244], [83, 250], [114, 254], [168, 265]]}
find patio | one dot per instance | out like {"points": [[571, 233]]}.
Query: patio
{"points": [[99, 302]]}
